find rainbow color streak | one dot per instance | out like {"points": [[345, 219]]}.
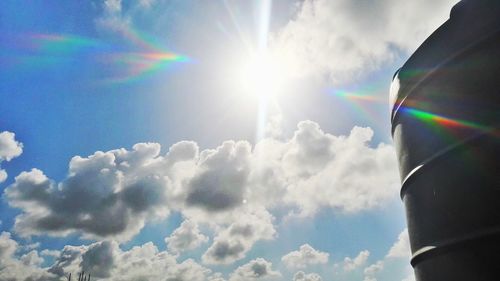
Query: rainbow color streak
{"points": [[362, 102], [434, 119], [123, 63], [140, 65], [58, 43], [358, 96]]}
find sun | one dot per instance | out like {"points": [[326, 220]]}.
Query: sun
{"points": [[262, 75]]}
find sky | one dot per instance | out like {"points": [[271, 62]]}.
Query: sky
{"points": [[203, 140]]}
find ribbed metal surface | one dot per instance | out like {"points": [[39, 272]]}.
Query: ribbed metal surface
{"points": [[445, 125]]}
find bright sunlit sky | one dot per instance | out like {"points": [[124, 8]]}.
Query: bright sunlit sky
{"points": [[203, 140]]}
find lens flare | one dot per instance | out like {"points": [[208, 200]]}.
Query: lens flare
{"points": [[442, 121], [446, 126], [143, 58], [363, 101], [356, 96], [262, 76], [59, 43]]}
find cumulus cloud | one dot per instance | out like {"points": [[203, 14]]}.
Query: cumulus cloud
{"points": [[221, 178], [25, 267], [68, 260], [50, 253], [257, 269], [186, 237], [401, 248], [351, 264], [103, 260], [302, 276], [235, 241], [9, 149], [343, 39], [147, 263], [306, 255], [118, 17], [108, 194], [100, 258], [233, 188], [339, 172], [372, 270]]}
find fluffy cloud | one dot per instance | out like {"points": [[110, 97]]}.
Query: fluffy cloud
{"points": [[25, 267], [147, 263], [340, 172], [108, 194], [372, 270], [100, 258], [9, 149], [186, 237], [302, 276], [103, 260], [233, 188], [397, 257], [359, 260], [305, 256], [344, 38], [258, 269], [401, 249], [235, 241], [221, 178]]}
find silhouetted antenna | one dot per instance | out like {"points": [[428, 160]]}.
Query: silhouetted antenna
{"points": [[69, 277], [81, 276]]}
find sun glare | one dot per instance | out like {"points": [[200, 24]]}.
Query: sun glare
{"points": [[262, 76]]}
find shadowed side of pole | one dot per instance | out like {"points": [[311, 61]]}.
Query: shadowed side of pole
{"points": [[446, 129]]}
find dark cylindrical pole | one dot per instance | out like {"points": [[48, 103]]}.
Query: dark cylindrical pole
{"points": [[446, 129]]}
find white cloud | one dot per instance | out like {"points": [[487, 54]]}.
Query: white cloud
{"points": [[351, 264], [302, 276], [306, 255], [118, 18], [343, 39], [401, 248], [9, 149], [339, 172], [257, 269], [147, 263], [186, 237], [25, 267], [108, 194], [103, 260], [31, 246], [235, 241], [372, 270], [113, 6], [113, 194], [50, 253]]}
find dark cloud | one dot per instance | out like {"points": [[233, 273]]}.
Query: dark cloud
{"points": [[100, 258], [221, 178]]}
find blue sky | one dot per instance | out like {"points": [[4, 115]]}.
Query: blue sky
{"points": [[203, 140]]}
